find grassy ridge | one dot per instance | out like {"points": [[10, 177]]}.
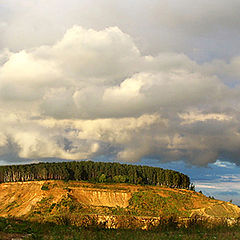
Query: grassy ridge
{"points": [[13, 228]]}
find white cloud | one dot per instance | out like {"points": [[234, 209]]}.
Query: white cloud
{"points": [[204, 30], [223, 164], [192, 117], [94, 93]]}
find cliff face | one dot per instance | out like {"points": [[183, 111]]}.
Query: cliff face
{"points": [[101, 197], [112, 206]]}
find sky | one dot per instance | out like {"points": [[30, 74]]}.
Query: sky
{"points": [[153, 82]]}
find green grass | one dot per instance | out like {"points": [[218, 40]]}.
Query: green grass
{"points": [[45, 186], [150, 203], [50, 231]]}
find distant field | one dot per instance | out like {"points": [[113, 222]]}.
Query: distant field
{"points": [[18, 229]]}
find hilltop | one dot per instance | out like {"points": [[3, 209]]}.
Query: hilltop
{"points": [[118, 205], [95, 172]]}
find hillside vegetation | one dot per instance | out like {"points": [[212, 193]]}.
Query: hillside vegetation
{"points": [[94, 172], [25, 230], [108, 205]]}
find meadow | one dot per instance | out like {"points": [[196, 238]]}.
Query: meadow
{"points": [[20, 229]]}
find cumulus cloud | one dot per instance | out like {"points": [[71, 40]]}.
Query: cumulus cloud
{"points": [[93, 93], [204, 30]]}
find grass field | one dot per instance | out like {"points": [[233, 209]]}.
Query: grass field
{"points": [[19, 229]]}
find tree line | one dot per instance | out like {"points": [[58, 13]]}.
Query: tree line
{"points": [[95, 172]]}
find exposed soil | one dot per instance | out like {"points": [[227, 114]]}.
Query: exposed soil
{"points": [[18, 199]]}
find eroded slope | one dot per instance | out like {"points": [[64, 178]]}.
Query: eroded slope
{"points": [[48, 200]]}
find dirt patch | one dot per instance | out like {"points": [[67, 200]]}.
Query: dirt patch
{"points": [[17, 199], [101, 197]]}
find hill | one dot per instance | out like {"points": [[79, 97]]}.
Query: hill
{"points": [[118, 205]]}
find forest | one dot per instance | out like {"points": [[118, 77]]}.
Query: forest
{"points": [[95, 172]]}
